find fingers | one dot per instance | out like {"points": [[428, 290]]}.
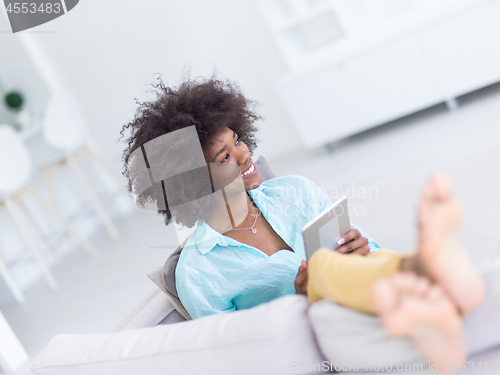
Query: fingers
{"points": [[302, 268], [364, 250], [300, 282], [358, 243], [349, 236]]}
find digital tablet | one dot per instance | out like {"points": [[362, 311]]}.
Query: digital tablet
{"points": [[327, 228]]}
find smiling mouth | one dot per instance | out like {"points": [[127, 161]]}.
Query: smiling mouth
{"points": [[250, 170]]}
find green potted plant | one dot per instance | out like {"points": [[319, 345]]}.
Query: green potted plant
{"points": [[15, 101]]}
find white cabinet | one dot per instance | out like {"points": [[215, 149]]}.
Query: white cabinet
{"points": [[464, 50], [372, 89], [374, 82]]}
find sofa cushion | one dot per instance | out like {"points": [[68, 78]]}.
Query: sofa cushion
{"points": [[356, 342], [347, 337], [164, 278], [272, 338]]}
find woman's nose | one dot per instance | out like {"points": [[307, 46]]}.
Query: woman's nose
{"points": [[243, 156]]}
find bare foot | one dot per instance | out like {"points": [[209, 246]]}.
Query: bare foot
{"points": [[440, 249], [409, 306]]}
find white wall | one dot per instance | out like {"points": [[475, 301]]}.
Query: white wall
{"points": [[106, 50], [17, 72]]}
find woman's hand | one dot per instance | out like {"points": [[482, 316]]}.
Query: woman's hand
{"points": [[352, 242], [300, 282]]}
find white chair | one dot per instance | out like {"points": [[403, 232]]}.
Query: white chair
{"points": [[15, 171], [64, 128]]}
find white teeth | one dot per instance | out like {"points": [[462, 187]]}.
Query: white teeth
{"points": [[248, 171]]}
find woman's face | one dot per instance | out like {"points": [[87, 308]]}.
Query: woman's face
{"points": [[228, 148]]}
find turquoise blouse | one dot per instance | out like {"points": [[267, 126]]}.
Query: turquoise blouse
{"points": [[218, 274]]}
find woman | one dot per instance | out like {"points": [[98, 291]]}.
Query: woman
{"points": [[257, 260], [262, 257]]}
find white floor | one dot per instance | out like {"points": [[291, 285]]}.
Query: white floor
{"points": [[384, 169]]}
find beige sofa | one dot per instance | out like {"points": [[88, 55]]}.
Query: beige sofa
{"points": [[280, 337]]}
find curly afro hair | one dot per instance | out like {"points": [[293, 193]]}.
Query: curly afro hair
{"points": [[212, 105]]}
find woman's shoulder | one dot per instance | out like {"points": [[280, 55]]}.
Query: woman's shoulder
{"points": [[201, 283], [196, 259], [190, 256]]}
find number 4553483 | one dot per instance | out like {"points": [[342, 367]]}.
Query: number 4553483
{"points": [[471, 366], [33, 8]]}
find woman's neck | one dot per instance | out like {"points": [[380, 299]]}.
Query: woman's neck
{"points": [[239, 213]]}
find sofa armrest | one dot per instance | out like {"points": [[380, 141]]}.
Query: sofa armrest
{"points": [[272, 338], [153, 310]]}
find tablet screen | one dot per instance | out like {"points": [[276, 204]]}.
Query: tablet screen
{"points": [[325, 229], [329, 234]]}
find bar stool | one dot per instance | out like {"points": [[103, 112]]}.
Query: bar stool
{"points": [[64, 128], [15, 184]]}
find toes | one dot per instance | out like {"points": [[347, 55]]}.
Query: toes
{"points": [[435, 293], [423, 212], [438, 188], [408, 283], [425, 202], [409, 280], [422, 286], [384, 296], [424, 207], [405, 282], [430, 188], [441, 186]]}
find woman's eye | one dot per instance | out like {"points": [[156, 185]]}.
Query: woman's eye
{"points": [[225, 158], [237, 141]]}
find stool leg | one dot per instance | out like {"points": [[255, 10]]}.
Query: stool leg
{"points": [[39, 231], [4, 260], [106, 167], [8, 279], [45, 174], [24, 232], [108, 224], [48, 184], [65, 223]]}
